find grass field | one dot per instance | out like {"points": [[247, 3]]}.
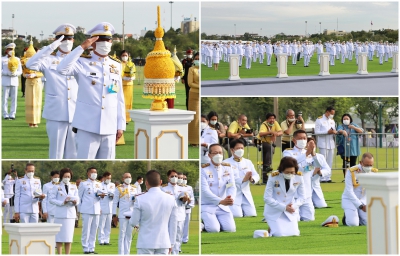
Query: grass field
{"points": [[262, 70], [21, 142], [192, 247], [313, 238]]}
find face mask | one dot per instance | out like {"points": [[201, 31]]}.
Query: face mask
{"points": [[56, 180], [107, 181], [103, 48], [331, 116], [184, 182], [93, 176], [30, 175], [301, 143], [141, 182], [203, 125], [66, 45], [292, 120], [10, 53], [66, 180], [196, 62], [367, 169], [190, 56], [288, 176], [217, 159], [239, 152], [128, 181], [346, 122], [270, 124], [173, 180], [124, 58], [180, 181], [213, 122]]}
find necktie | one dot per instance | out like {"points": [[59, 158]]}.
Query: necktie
{"points": [[66, 188], [287, 184]]}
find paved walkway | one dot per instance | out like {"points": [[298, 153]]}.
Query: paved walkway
{"points": [[373, 84]]}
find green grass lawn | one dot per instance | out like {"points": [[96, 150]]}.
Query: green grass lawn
{"points": [[313, 239], [21, 142], [192, 247], [262, 70]]}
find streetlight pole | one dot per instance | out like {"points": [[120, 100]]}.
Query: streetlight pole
{"points": [[306, 29], [12, 28], [235, 31], [171, 11], [123, 25], [320, 28]]}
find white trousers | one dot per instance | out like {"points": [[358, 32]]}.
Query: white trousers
{"points": [[343, 57], [240, 60], [307, 210], [350, 55], [337, 54], [294, 58], [104, 228], [50, 218], [225, 57], [29, 217], [269, 55], [178, 239], [319, 58], [10, 92], [95, 146], [261, 56], [332, 58], [283, 227], [220, 221], [141, 251], [125, 236], [186, 228], [355, 217], [62, 143], [370, 55], [8, 211], [209, 61], [203, 59], [245, 209], [90, 223], [380, 58], [254, 56], [317, 201], [356, 57], [248, 62], [328, 154], [306, 59]]}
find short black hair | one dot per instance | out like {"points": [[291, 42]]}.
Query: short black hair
{"points": [[106, 174], [288, 162], [204, 116], [54, 172], [90, 168], [351, 119], [171, 171], [213, 145], [139, 177], [330, 108], [29, 164], [64, 171], [233, 143], [268, 115], [196, 54], [297, 132], [211, 114], [180, 173], [122, 52], [153, 178]]}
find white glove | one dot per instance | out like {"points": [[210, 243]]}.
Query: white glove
{"points": [[126, 78], [56, 43]]}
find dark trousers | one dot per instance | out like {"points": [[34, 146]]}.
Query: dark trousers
{"points": [[23, 79], [267, 152], [187, 88], [352, 159]]}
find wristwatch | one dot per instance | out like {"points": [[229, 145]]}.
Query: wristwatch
{"points": [[361, 206]]}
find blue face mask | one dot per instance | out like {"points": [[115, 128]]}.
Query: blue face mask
{"points": [[196, 62]]}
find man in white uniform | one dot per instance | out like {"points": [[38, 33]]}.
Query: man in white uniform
{"points": [[100, 95], [189, 207], [10, 83], [108, 189], [218, 191], [47, 207], [155, 212], [61, 93], [244, 173], [9, 184], [139, 181], [239, 51], [269, 51]]}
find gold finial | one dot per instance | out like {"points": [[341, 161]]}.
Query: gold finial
{"points": [[158, 16], [159, 32]]}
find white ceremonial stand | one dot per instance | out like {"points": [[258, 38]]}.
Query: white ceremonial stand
{"points": [[324, 64], [282, 65], [395, 62], [362, 63], [234, 67]]}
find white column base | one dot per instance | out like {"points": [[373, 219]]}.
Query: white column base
{"points": [[324, 64], [362, 63], [282, 65], [161, 135], [32, 238], [395, 62], [234, 67]]}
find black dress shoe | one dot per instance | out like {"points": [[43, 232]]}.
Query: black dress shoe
{"points": [[12, 118], [93, 252], [6, 118], [329, 181], [101, 244], [86, 252], [107, 244]]}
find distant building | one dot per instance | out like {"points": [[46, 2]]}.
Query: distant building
{"points": [[334, 32], [188, 25], [7, 33], [80, 29]]}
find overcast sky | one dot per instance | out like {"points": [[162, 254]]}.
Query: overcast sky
{"points": [[267, 18], [46, 16]]}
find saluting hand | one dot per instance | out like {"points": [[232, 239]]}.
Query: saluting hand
{"points": [[57, 42], [88, 42]]}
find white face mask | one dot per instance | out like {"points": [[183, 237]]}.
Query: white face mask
{"points": [[346, 122], [93, 176], [292, 120], [213, 122], [239, 152], [141, 182], [66, 45], [331, 116], [56, 180], [66, 180], [217, 158], [29, 175], [10, 53], [103, 48], [288, 176], [301, 143], [190, 56], [107, 181], [367, 169], [184, 182], [124, 58], [203, 125], [173, 180], [180, 181], [128, 181]]}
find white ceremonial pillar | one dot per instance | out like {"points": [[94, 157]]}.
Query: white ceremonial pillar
{"points": [[282, 65], [362, 63], [382, 191], [234, 67], [161, 134], [32, 238], [324, 64], [395, 62]]}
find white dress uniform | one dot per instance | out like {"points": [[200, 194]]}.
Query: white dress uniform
{"points": [[208, 136], [343, 52], [138, 188], [371, 49], [155, 212], [217, 182], [255, 51], [320, 49], [350, 49], [124, 195], [325, 143], [10, 83], [306, 54], [8, 184], [243, 204], [100, 99], [64, 214], [188, 207], [353, 196], [209, 54], [176, 190], [268, 51], [90, 212], [294, 51], [60, 98], [48, 207], [26, 204], [239, 51], [314, 197], [248, 52], [106, 204], [332, 53], [281, 222], [215, 55], [261, 51], [381, 51]]}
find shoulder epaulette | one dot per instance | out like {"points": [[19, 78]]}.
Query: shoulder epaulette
{"points": [[205, 165], [56, 183], [180, 185], [115, 59], [84, 180], [299, 173], [133, 186], [119, 185], [274, 173], [289, 149], [225, 164], [354, 168], [53, 53], [86, 56], [374, 170], [72, 183], [319, 117], [36, 177], [164, 185], [21, 177]]}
